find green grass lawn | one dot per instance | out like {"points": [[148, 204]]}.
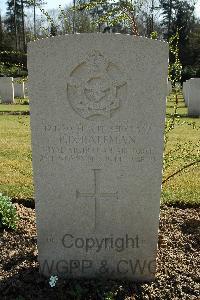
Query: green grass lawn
{"points": [[184, 187], [15, 157], [183, 144], [13, 108], [16, 169]]}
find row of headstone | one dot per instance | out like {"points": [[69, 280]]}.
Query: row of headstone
{"points": [[170, 88], [191, 93], [97, 118], [10, 88]]}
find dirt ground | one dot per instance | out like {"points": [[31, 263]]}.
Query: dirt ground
{"points": [[178, 264]]}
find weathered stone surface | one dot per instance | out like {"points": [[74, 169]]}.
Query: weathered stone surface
{"points": [[6, 90], [194, 97], [186, 92], [97, 118], [19, 88]]}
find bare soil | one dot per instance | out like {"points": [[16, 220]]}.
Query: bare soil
{"points": [[178, 264]]}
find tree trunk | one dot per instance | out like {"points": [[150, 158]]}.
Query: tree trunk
{"points": [[1, 33], [34, 18], [74, 15], [15, 24], [23, 27], [152, 16], [134, 26], [169, 19]]}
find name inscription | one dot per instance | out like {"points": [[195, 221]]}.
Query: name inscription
{"points": [[119, 142]]}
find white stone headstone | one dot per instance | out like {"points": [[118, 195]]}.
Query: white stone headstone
{"points": [[19, 88], [194, 97], [186, 92], [169, 85], [6, 90], [97, 117], [26, 88]]}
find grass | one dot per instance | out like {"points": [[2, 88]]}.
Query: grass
{"points": [[20, 105], [10, 108], [183, 188], [16, 168], [15, 157]]}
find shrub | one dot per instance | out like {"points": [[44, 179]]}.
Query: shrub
{"points": [[154, 35], [8, 213]]}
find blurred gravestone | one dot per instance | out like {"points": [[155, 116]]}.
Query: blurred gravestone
{"points": [[169, 85], [194, 97], [6, 90], [19, 88], [26, 88]]}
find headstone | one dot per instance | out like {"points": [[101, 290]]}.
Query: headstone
{"points": [[26, 88], [186, 92], [169, 85], [6, 90], [194, 97], [19, 88], [97, 118]]}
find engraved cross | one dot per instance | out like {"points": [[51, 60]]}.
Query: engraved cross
{"points": [[96, 195]]}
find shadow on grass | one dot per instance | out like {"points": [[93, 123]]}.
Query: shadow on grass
{"points": [[177, 115], [172, 106], [15, 113]]}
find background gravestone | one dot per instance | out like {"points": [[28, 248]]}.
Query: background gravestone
{"points": [[6, 90], [19, 88], [185, 92], [97, 118], [194, 97], [169, 85], [26, 88]]}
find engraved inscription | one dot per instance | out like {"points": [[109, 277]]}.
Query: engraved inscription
{"points": [[51, 239], [95, 87], [115, 143], [96, 195]]}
